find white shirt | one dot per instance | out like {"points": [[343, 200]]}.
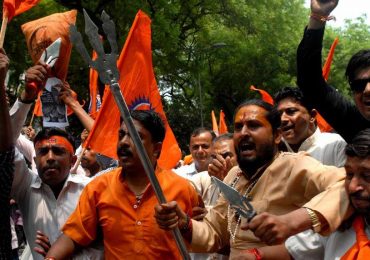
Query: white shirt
{"points": [[308, 247], [39, 207], [328, 148], [186, 171], [206, 188], [210, 193]]}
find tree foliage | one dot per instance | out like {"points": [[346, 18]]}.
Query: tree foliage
{"points": [[221, 47]]}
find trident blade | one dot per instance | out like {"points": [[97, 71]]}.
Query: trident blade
{"points": [[76, 39], [92, 33], [106, 65], [110, 30]]}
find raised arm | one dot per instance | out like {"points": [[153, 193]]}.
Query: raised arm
{"points": [[320, 12], [35, 75], [332, 105], [66, 96]]}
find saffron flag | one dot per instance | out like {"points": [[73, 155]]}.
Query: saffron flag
{"points": [[13, 8], [40, 34], [214, 123], [37, 111], [139, 88], [265, 96], [222, 127], [95, 101], [329, 59]]}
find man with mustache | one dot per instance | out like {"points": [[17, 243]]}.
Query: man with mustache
{"points": [[119, 204], [47, 197], [301, 133], [345, 117], [285, 189], [342, 244]]}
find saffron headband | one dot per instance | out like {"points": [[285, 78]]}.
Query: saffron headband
{"points": [[58, 140]]}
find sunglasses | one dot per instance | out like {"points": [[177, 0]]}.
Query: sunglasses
{"points": [[358, 85]]}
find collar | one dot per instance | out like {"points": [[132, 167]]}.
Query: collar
{"points": [[72, 178], [306, 144]]}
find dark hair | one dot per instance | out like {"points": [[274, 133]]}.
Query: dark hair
{"points": [[151, 122], [293, 93], [227, 136], [360, 144], [272, 114], [359, 61], [48, 132], [200, 130]]}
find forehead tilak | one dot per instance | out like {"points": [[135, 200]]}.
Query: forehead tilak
{"points": [[247, 113]]}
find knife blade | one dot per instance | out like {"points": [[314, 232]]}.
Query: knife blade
{"points": [[51, 54], [240, 203]]}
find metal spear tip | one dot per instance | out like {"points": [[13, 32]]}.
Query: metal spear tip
{"points": [[89, 24], [104, 16]]}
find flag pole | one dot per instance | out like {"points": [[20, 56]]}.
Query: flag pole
{"points": [[33, 116], [4, 24]]}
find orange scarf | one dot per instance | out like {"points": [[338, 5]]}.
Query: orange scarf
{"points": [[361, 248]]}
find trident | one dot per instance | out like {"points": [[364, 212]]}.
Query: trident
{"points": [[106, 66]]}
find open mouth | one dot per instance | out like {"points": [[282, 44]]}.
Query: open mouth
{"points": [[247, 147]]}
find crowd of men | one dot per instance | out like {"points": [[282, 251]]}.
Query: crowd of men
{"points": [[310, 190]]}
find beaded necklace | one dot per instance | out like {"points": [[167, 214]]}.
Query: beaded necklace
{"points": [[237, 216]]}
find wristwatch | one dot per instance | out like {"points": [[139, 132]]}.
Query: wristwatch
{"points": [[316, 224]]}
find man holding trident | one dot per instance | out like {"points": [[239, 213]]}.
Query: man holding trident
{"points": [[118, 206]]}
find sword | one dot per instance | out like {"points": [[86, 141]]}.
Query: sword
{"points": [[238, 202], [106, 66]]}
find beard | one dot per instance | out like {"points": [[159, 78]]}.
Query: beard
{"points": [[250, 165]]}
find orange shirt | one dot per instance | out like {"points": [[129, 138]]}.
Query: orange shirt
{"points": [[128, 226]]}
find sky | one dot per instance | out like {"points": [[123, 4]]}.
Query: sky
{"points": [[348, 9]]}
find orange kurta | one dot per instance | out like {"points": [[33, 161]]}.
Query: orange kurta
{"points": [[129, 227]]}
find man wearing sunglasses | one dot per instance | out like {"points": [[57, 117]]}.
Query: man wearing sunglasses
{"points": [[347, 119]]}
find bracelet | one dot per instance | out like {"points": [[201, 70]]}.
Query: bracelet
{"points": [[316, 224], [255, 252], [322, 18]]}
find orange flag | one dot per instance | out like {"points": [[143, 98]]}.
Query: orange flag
{"points": [[41, 33], [95, 103], [265, 96], [139, 88], [329, 59], [13, 8], [214, 123], [222, 127], [37, 108]]}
